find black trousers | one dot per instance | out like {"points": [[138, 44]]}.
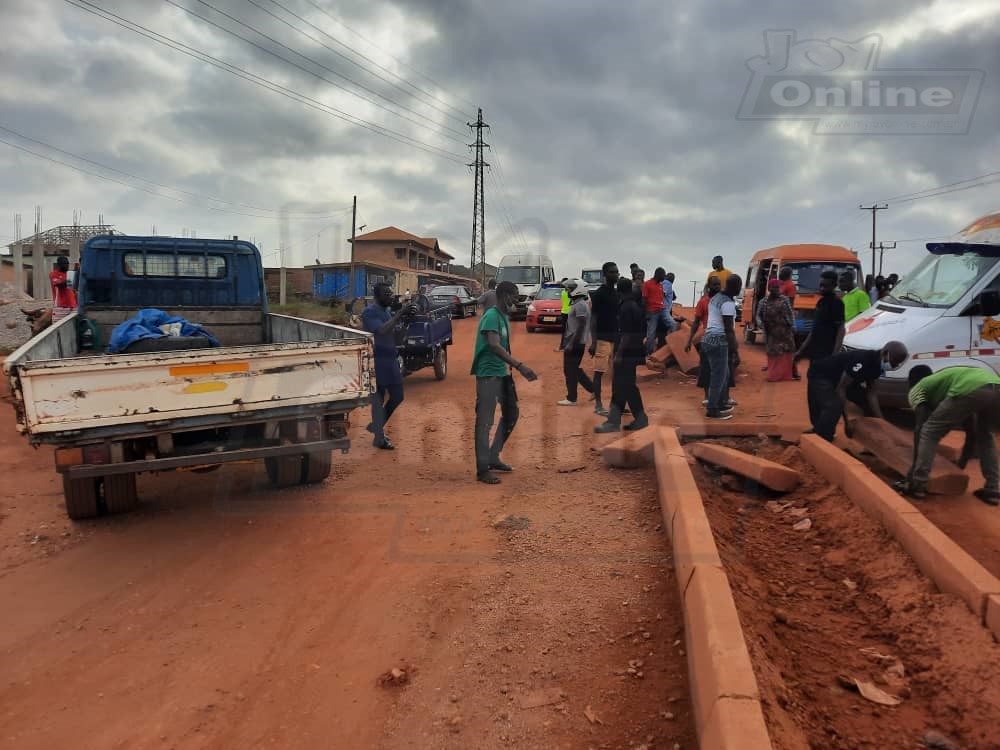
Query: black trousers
{"points": [[574, 373], [382, 409], [826, 407], [625, 389], [489, 393]]}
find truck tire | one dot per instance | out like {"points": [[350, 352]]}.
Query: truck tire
{"points": [[316, 467], [441, 363], [119, 493], [284, 471], [81, 497]]}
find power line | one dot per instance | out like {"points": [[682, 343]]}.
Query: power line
{"points": [[503, 194], [361, 55], [390, 56], [952, 190], [263, 82], [939, 187], [296, 214], [137, 187], [419, 123]]}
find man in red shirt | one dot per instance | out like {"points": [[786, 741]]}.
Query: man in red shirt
{"points": [[788, 288], [656, 309], [63, 296]]}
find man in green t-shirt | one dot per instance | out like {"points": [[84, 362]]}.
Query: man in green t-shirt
{"points": [[945, 401], [491, 364], [856, 300]]}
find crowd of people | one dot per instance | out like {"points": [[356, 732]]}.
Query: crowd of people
{"points": [[623, 321]]}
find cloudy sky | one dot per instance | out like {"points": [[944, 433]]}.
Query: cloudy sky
{"points": [[615, 126]]}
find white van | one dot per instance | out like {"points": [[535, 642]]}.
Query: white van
{"points": [[946, 310], [528, 272]]}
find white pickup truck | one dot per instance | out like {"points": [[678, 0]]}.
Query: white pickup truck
{"points": [[276, 388]]}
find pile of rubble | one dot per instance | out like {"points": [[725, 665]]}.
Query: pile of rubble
{"points": [[673, 354], [15, 327]]}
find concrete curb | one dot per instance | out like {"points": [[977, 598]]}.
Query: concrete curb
{"points": [[789, 433], [725, 697], [950, 567]]}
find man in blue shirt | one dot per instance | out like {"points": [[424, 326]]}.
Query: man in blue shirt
{"points": [[668, 292], [378, 320]]}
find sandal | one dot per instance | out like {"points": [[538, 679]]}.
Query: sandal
{"points": [[487, 477]]}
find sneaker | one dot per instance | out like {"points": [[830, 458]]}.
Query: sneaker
{"points": [[637, 424], [726, 410], [501, 466], [906, 489], [607, 427], [600, 411], [385, 444], [731, 403], [566, 402], [704, 402], [720, 416]]}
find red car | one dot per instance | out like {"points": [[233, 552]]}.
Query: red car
{"points": [[546, 311]]}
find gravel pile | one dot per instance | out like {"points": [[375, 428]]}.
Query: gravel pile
{"points": [[14, 327]]}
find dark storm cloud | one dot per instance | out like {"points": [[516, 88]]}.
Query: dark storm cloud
{"points": [[615, 124]]}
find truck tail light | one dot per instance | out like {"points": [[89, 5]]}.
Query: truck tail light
{"points": [[68, 457], [97, 454]]}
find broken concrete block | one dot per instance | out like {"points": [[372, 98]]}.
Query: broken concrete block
{"points": [[762, 471]]}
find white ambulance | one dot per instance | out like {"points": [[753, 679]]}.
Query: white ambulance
{"points": [[946, 310]]}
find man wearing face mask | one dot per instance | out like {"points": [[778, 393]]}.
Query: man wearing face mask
{"points": [[849, 375]]}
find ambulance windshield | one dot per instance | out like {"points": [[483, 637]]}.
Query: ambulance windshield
{"points": [[941, 280]]}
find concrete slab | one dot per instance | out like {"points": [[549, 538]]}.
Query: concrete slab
{"points": [[894, 447], [688, 362], [772, 475], [631, 451]]}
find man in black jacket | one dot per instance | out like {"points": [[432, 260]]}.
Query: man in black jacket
{"points": [[630, 352]]}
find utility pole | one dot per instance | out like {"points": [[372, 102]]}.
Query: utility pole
{"points": [[479, 202], [354, 233], [874, 208], [282, 277], [694, 292], [882, 247]]}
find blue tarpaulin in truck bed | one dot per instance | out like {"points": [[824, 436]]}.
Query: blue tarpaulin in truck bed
{"points": [[146, 325]]}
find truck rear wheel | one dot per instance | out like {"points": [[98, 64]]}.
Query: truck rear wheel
{"points": [[284, 471], [81, 497], [441, 363], [316, 467], [119, 493]]}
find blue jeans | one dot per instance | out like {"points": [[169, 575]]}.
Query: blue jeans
{"points": [[715, 347], [383, 407], [653, 322]]}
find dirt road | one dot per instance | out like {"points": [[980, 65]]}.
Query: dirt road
{"points": [[227, 614], [539, 613]]}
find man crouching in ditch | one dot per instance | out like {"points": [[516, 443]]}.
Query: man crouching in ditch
{"points": [[491, 364]]}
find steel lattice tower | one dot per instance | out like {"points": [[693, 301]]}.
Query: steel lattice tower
{"points": [[479, 202]]}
